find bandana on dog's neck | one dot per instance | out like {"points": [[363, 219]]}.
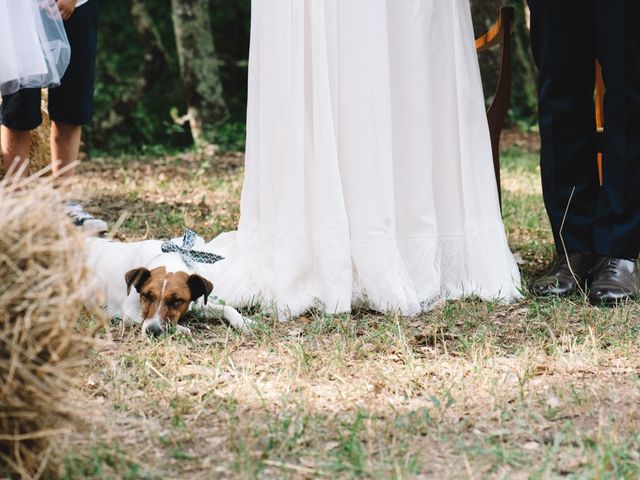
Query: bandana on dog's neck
{"points": [[188, 255]]}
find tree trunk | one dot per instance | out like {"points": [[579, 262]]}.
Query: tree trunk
{"points": [[155, 59], [199, 68]]}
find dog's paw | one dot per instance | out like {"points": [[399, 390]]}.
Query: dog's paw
{"points": [[181, 330], [247, 325], [236, 320]]}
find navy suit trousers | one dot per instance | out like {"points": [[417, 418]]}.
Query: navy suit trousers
{"points": [[567, 37]]}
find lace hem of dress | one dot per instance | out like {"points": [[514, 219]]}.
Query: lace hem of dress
{"points": [[404, 275]]}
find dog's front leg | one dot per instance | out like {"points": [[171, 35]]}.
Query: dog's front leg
{"points": [[182, 330], [231, 315]]}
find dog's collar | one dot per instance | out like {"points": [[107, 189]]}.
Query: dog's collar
{"points": [[188, 255]]}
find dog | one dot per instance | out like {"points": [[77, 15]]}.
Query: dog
{"points": [[156, 283]]}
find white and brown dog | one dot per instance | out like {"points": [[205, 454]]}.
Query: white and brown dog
{"points": [[155, 283]]}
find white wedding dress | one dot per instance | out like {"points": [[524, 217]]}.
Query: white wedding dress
{"points": [[368, 163], [34, 49]]}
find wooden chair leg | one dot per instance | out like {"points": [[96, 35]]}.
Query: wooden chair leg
{"points": [[502, 100], [600, 90]]}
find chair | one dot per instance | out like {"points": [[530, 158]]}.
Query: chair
{"points": [[499, 35], [600, 90]]}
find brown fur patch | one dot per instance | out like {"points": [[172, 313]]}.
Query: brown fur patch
{"points": [[166, 294]]}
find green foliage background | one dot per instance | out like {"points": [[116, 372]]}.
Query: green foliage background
{"points": [[120, 56], [150, 124]]}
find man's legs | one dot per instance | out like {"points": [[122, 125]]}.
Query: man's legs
{"points": [[617, 225], [562, 39], [617, 219]]}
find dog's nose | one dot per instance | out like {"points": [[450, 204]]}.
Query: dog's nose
{"points": [[154, 330]]}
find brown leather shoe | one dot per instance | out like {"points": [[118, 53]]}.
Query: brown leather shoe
{"points": [[560, 281], [614, 280]]}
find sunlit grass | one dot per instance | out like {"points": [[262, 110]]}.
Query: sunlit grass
{"points": [[540, 389]]}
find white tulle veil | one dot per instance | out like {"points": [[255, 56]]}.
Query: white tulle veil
{"points": [[34, 49]]}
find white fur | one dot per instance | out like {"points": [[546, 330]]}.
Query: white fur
{"points": [[109, 262], [172, 263]]}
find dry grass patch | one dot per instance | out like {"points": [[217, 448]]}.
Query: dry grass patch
{"points": [[159, 197], [471, 390], [372, 396]]}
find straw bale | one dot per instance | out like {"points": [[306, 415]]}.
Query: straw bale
{"points": [[42, 345]]}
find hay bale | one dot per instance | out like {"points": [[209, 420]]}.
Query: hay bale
{"points": [[42, 278], [40, 153]]}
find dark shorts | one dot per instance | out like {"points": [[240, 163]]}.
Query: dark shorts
{"points": [[72, 101]]}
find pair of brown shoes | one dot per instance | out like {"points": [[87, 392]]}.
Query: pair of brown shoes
{"points": [[609, 280]]}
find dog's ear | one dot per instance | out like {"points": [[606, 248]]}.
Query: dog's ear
{"points": [[199, 287], [136, 278]]}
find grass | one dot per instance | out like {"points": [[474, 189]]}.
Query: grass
{"points": [[540, 389]]}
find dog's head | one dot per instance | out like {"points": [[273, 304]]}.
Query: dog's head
{"points": [[165, 296]]}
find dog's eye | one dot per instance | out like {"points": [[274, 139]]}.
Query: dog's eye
{"points": [[148, 297], [176, 302]]}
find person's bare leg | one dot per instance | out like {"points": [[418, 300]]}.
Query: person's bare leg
{"points": [[15, 149], [65, 147]]}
